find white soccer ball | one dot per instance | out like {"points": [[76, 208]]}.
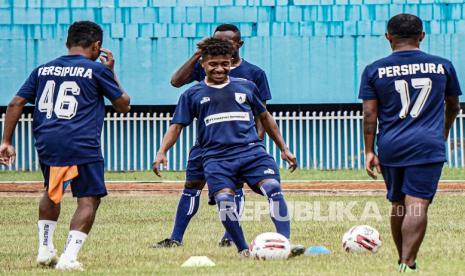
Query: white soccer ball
{"points": [[361, 238], [270, 246]]}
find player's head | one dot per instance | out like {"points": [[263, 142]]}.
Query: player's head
{"points": [[216, 59], [230, 32], [86, 35], [405, 29]]}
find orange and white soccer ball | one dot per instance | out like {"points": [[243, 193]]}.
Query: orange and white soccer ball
{"points": [[270, 246], [361, 238]]}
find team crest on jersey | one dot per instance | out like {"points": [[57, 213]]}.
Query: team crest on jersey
{"points": [[205, 100], [240, 97]]}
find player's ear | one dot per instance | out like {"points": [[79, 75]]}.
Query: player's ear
{"points": [[422, 36], [387, 35], [96, 45], [241, 43]]}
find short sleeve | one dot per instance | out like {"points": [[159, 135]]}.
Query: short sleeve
{"points": [[184, 113], [452, 86], [197, 73], [264, 89], [108, 85], [28, 90], [256, 103], [367, 90]]}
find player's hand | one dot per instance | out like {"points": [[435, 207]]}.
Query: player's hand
{"points": [[290, 158], [372, 162], [107, 59], [160, 159], [7, 154], [200, 44]]}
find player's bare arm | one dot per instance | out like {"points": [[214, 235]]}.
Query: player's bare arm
{"points": [[168, 141], [370, 117], [120, 104], [182, 76], [13, 113], [259, 127], [451, 111], [270, 126]]}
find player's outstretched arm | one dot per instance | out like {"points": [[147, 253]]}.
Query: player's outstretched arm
{"points": [[270, 126], [122, 103], [182, 76], [168, 141], [451, 111], [13, 113], [370, 121]]}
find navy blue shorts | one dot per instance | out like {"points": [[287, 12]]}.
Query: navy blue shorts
{"points": [[90, 181], [194, 170], [419, 181], [221, 174]]}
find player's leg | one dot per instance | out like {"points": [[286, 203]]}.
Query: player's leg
{"points": [[189, 201], [394, 178], [221, 185], [262, 173], [413, 228], [88, 187], [48, 217], [187, 208], [420, 186], [279, 214], [397, 218], [239, 199]]}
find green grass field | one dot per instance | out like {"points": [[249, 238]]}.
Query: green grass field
{"points": [[127, 225], [448, 174]]}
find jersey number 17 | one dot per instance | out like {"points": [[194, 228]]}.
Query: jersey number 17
{"points": [[402, 88]]}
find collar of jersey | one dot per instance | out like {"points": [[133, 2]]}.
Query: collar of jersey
{"points": [[218, 86]]}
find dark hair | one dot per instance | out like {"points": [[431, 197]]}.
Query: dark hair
{"points": [[405, 25], [83, 33], [227, 27], [216, 47]]}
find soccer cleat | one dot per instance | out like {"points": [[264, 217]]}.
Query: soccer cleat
{"points": [[225, 242], [404, 268], [244, 253], [296, 250], [167, 243], [70, 265], [47, 257], [211, 201]]}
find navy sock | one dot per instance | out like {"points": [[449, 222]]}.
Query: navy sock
{"points": [[187, 207], [239, 199], [230, 219], [278, 207]]}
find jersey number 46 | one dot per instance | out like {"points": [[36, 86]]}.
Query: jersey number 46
{"points": [[65, 105]]}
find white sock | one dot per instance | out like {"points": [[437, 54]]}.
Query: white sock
{"points": [[46, 230], [75, 240]]}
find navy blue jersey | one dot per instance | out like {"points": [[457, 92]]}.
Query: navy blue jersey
{"points": [[410, 87], [245, 70], [69, 108], [226, 126]]}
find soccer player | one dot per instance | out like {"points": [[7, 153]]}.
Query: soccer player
{"points": [[68, 94], [405, 92], [195, 179], [230, 146]]}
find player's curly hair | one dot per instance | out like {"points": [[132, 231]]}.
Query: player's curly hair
{"points": [[83, 33], [216, 47], [405, 25]]}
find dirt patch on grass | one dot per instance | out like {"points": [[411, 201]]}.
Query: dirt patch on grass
{"points": [[325, 187]]}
